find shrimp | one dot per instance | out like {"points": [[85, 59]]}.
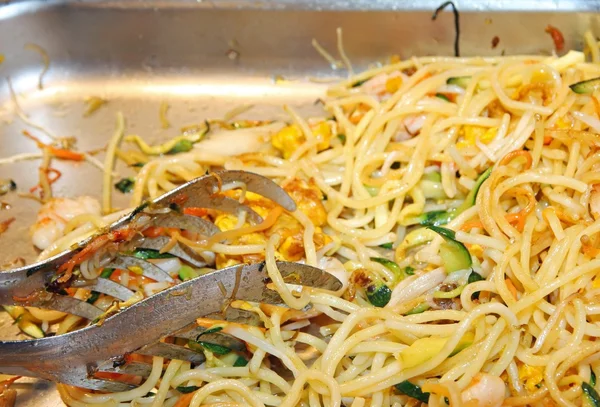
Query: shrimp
{"points": [[486, 390], [54, 216]]}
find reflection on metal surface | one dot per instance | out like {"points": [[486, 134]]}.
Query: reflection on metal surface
{"points": [[137, 54]]}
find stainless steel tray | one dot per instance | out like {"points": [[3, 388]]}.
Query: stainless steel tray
{"points": [[203, 57]]}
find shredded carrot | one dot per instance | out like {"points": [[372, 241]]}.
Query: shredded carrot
{"points": [[57, 175], [547, 140], [29, 297], [115, 236], [185, 400], [511, 287], [557, 37], [5, 224], [265, 224], [155, 231], [590, 251], [195, 211], [520, 217], [518, 153], [5, 384], [56, 152]]}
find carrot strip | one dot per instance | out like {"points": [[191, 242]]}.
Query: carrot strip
{"points": [[185, 400], [511, 287], [57, 152], [195, 211], [57, 175]]}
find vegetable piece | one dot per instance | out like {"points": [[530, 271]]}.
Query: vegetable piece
{"points": [[181, 146], [388, 246], [435, 218], [26, 325], [586, 87], [462, 81], [240, 362], [454, 254], [415, 238], [438, 218], [14, 311], [442, 96], [199, 346], [593, 379], [93, 297], [125, 185], [107, 272], [146, 254], [557, 37], [422, 307], [473, 277], [93, 103], [472, 196], [373, 191], [379, 294], [342, 138], [390, 265], [433, 176], [186, 389], [212, 330], [590, 396], [424, 349], [6, 186], [187, 273], [412, 390]]}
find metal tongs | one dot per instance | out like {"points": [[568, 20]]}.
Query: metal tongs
{"points": [[76, 358]]}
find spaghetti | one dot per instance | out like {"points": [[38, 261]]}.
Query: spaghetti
{"points": [[456, 199]]}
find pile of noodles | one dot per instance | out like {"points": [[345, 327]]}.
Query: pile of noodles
{"points": [[400, 141]]}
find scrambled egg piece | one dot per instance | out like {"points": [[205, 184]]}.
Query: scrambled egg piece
{"points": [[393, 84], [472, 133], [288, 139], [308, 198], [531, 376]]}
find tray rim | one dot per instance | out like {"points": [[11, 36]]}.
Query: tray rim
{"points": [[11, 8]]}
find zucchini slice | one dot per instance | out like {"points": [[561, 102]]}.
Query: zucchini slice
{"points": [[438, 218], [454, 254], [379, 294], [24, 323], [412, 390], [590, 396], [462, 81], [586, 87]]}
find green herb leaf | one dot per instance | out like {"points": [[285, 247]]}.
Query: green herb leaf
{"points": [[342, 138], [212, 330], [125, 185], [359, 83], [95, 295], [442, 96], [240, 362], [473, 277], [146, 254], [388, 246], [593, 379], [379, 296], [409, 270], [214, 348], [412, 390], [181, 146], [186, 389], [107, 272]]}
